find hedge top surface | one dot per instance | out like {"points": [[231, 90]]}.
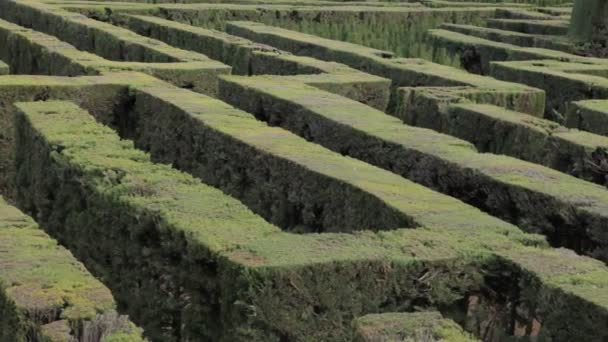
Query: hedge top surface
{"points": [[529, 52], [91, 63], [126, 79], [306, 64], [299, 37], [491, 32], [382, 59], [47, 284], [531, 13], [600, 106], [225, 226], [591, 75], [252, 2], [244, 238], [42, 277], [586, 195], [130, 176], [228, 40], [353, 113], [426, 207], [210, 219], [77, 23], [557, 24], [588, 140], [120, 48], [502, 114], [410, 326], [547, 127], [456, 75], [352, 8]]}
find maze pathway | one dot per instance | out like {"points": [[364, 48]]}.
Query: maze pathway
{"points": [[299, 171]]}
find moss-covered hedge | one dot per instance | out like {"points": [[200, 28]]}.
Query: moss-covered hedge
{"points": [[35, 52], [187, 261], [46, 295], [402, 72], [380, 27], [506, 187], [408, 327]]}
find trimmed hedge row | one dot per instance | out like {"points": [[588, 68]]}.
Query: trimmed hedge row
{"points": [[46, 294]]}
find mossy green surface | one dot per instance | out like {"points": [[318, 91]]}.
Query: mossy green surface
{"points": [[543, 26], [419, 154], [94, 36], [41, 282], [32, 52], [297, 42], [274, 265], [374, 26], [114, 170], [413, 204], [408, 327], [58, 331], [533, 13], [66, 124], [407, 3], [523, 35], [589, 115], [496, 130], [258, 286], [250, 58], [102, 95], [595, 105], [509, 3], [402, 72], [516, 38], [455, 45], [269, 255], [562, 81], [246, 56], [4, 68]]}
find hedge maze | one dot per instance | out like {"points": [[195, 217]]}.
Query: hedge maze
{"points": [[302, 170]]}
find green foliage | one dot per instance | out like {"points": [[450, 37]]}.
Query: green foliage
{"points": [[189, 260], [41, 282], [425, 326]]}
